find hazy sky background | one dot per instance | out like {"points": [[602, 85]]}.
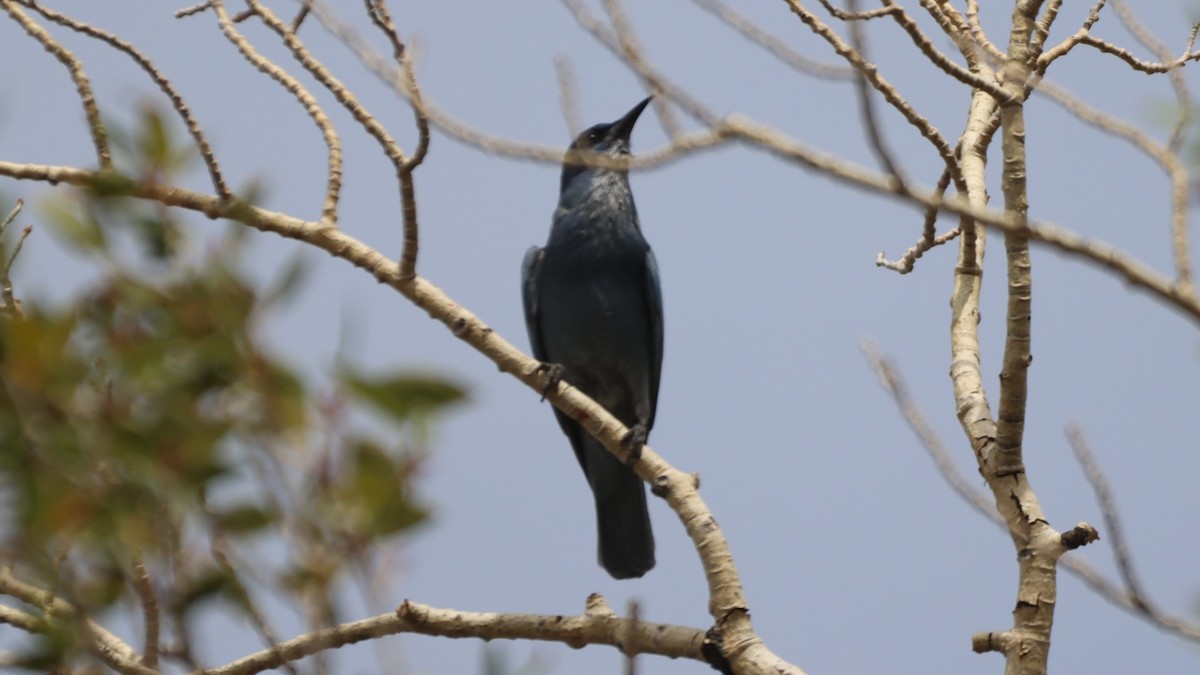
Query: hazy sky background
{"points": [[856, 556]]}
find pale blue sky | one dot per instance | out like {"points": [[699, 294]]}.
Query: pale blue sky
{"points": [[856, 556]]}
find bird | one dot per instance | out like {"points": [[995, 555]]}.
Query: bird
{"points": [[593, 310]]}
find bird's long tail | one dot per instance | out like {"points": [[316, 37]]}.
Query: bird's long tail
{"points": [[626, 547]]}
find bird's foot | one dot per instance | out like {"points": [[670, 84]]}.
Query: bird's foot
{"points": [[554, 374], [634, 439]]}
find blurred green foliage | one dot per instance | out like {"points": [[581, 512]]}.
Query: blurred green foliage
{"points": [[147, 421]]}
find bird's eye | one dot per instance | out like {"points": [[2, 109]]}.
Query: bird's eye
{"points": [[593, 136]]}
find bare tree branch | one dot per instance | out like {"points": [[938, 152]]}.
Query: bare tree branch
{"points": [[1015, 366], [411, 617], [1042, 31], [996, 102], [21, 620], [728, 605], [144, 588], [107, 647], [8, 302]]}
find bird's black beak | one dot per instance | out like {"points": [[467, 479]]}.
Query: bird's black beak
{"points": [[623, 128]]}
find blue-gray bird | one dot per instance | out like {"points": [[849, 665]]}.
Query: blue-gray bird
{"points": [[593, 307]]}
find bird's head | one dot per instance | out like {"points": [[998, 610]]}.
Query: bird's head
{"points": [[611, 139]]}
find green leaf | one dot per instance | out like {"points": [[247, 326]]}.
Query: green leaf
{"points": [[205, 586], [244, 518], [78, 229], [400, 396], [110, 184], [160, 237], [371, 496]]}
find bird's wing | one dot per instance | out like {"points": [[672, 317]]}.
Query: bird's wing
{"points": [[654, 304], [531, 273], [531, 276]]}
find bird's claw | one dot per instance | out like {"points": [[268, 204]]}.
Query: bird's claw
{"points": [[554, 374], [632, 443]]}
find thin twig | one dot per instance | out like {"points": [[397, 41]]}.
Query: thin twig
{"points": [[1148, 67], [177, 102], [382, 18], [966, 488], [305, 8], [1046, 57], [310, 105], [144, 588], [893, 383], [631, 53], [1175, 168], [854, 15], [1112, 520], [654, 81], [929, 235], [82, 86], [566, 94], [870, 73], [256, 616], [194, 9], [1178, 82], [1119, 262], [369, 122], [987, 81], [866, 105], [109, 648], [777, 47], [384, 69], [8, 301]]}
